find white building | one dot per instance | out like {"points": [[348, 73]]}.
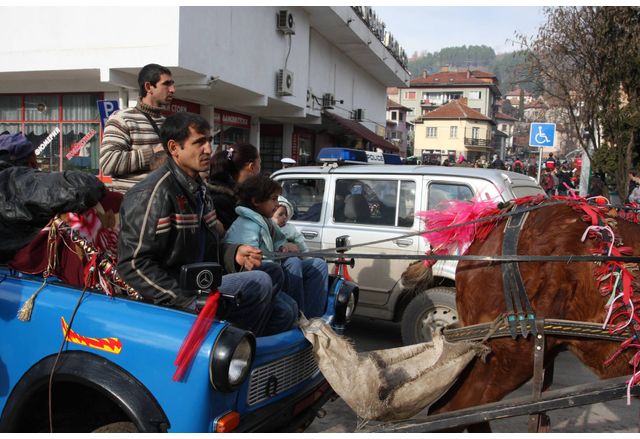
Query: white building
{"points": [[56, 62]]}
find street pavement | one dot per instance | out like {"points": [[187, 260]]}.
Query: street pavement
{"points": [[611, 416]]}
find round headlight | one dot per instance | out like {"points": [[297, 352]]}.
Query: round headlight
{"points": [[231, 358]]}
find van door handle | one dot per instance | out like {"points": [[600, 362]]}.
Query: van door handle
{"points": [[309, 234], [403, 242]]}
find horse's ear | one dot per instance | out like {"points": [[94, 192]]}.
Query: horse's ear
{"points": [[417, 277]]}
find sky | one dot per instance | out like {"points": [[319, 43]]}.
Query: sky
{"points": [[431, 28]]}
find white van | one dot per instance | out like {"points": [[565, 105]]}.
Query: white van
{"points": [[375, 202]]}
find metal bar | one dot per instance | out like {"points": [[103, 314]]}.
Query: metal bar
{"points": [[538, 374], [583, 394]]}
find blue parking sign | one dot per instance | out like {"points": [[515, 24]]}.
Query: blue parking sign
{"points": [[106, 108], [542, 135]]}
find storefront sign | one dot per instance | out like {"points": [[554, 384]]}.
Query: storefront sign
{"points": [[179, 106], [76, 147], [47, 141], [295, 138], [229, 119]]}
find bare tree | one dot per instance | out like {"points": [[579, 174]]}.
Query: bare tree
{"points": [[588, 59]]}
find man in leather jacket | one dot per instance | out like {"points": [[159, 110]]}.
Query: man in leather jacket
{"points": [[168, 220]]}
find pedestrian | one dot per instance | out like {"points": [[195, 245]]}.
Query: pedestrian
{"points": [[168, 221], [547, 182], [228, 168], [131, 145], [564, 180], [518, 166], [287, 162], [634, 182], [551, 162], [497, 163], [307, 279]]}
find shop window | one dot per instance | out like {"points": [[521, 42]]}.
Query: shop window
{"points": [[55, 123]]}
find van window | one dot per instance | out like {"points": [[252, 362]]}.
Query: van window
{"points": [[439, 192], [374, 202], [305, 195]]}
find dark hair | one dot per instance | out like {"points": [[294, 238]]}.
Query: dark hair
{"points": [[257, 188], [150, 73], [176, 127], [233, 159]]}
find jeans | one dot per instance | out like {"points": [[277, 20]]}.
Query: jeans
{"points": [[254, 311], [284, 310], [307, 283]]}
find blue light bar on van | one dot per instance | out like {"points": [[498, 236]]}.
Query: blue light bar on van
{"points": [[342, 155], [392, 159]]}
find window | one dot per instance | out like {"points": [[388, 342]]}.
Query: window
{"points": [[475, 133], [453, 132], [394, 135], [504, 128], [394, 115], [305, 195], [441, 192], [65, 128], [432, 132], [374, 202], [400, 116], [475, 95], [410, 95]]}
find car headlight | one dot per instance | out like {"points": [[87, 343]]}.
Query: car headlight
{"points": [[231, 358]]}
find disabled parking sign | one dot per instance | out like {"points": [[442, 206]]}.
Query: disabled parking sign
{"points": [[542, 135]]}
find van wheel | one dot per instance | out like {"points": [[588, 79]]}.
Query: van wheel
{"points": [[117, 427], [435, 307]]}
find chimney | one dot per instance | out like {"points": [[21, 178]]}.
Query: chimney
{"points": [[444, 68], [424, 74], [468, 73]]}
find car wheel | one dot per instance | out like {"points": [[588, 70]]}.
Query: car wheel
{"points": [[117, 427], [435, 307]]}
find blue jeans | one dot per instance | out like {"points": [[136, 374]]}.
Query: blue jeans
{"points": [[284, 310], [254, 310], [307, 283]]}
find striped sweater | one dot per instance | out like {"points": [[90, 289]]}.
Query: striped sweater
{"points": [[127, 144]]}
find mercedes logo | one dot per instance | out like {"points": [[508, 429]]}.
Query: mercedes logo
{"points": [[204, 279]]}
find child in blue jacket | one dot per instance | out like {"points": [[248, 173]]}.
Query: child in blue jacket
{"points": [[306, 279]]}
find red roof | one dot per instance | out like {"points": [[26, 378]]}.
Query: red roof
{"points": [[456, 110], [499, 115], [475, 77], [516, 92], [361, 131], [394, 104]]}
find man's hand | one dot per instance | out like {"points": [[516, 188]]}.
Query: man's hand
{"points": [[289, 247], [248, 257]]}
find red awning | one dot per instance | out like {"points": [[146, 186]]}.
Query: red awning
{"points": [[361, 131]]}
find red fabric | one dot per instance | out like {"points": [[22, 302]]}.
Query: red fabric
{"points": [[196, 336]]}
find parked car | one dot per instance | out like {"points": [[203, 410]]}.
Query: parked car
{"points": [[379, 202], [113, 372]]}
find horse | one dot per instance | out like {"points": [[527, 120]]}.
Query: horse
{"points": [[556, 290]]}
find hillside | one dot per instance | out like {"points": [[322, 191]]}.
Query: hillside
{"points": [[505, 66]]}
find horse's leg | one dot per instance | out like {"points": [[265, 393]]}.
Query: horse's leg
{"points": [[508, 366]]}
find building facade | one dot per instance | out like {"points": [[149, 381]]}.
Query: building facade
{"points": [[266, 75], [399, 129], [428, 92], [451, 131]]}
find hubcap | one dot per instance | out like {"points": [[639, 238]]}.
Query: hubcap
{"points": [[435, 317]]}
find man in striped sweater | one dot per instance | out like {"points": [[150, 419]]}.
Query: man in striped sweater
{"points": [[131, 139]]}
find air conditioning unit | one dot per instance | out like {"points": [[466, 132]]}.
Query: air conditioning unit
{"points": [[309, 98], [328, 100], [358, 114], [285, 23], [284, 83]]}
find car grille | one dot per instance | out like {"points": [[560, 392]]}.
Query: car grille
{"points": [[274, 378]]}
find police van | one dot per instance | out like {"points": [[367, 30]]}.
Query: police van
{"points": [[348, 195]]}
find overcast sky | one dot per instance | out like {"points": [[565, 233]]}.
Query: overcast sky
{"points": [[430, 28]]}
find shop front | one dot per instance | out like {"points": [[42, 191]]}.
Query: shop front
{"points": [[234, 128]]}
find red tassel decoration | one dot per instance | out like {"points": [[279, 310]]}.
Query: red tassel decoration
{"points": [[196, 336]]}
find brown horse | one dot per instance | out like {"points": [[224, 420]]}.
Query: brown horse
{"points": [[556, 290]]}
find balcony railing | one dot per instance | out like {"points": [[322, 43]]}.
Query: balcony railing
{"points": [[469, 141]]}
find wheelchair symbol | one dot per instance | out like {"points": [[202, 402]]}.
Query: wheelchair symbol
{"points": [[541, 137]]}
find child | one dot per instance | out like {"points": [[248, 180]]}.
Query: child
{"points": [[306, 280], [282, 215]]}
